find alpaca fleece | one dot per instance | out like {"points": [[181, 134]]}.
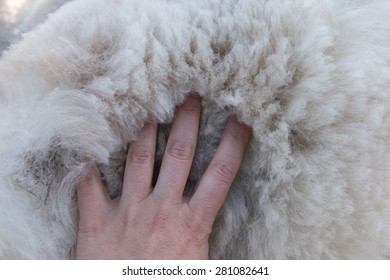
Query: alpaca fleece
{"points": [[311, 78]]}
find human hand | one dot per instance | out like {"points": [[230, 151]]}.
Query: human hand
{"points": [[159, 223]]}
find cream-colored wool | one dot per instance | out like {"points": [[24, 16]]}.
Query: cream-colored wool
{"points": [[311, 78]]}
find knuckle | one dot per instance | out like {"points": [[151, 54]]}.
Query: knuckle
{"points": [[224, 171], [181, 150], [196, 228], [161, 220], [131, 218], [140, 156], [92, 228]]}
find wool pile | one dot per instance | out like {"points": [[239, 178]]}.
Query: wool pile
{"points": [[311, 78]]}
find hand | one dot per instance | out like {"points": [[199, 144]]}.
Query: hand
{"points": [[159, 223]]}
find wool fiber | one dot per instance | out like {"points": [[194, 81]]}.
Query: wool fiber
{"points": [[311, 78]]}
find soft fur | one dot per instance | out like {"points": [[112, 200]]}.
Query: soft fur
{"points": [[310, 77]]}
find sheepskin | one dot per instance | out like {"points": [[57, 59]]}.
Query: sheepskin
{"points": [[311, 78]]}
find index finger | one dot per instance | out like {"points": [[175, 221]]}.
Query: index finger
{"points": [[217, 179]]}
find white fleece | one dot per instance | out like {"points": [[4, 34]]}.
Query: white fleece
{"points": [[311, 78]]}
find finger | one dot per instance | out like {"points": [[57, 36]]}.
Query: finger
{"points": [[92, 197], [179, 151], [137, 183], [217, 179]]}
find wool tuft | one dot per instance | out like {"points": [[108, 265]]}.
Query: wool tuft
{"points": [[311, 78]]}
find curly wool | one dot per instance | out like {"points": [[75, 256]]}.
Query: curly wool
{"points": [[310, 77]]}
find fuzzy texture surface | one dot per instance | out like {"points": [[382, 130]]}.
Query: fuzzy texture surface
{"points": [[311, 78], [18, 17]]}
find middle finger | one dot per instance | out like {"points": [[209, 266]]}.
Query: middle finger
{"points": [[179, 151]]}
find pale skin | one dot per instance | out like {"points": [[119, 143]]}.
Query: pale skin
{"points": [[159, 222]]}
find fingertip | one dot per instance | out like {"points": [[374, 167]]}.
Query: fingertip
{"points": [[88, 177], [192, 103], [238, 130], [195, 96], [90, 188]]}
